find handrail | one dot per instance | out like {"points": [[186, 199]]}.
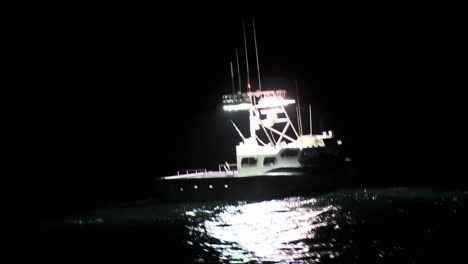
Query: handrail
{"points": [[227, 167]]}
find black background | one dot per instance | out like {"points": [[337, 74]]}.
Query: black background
{"points": [[120, 97]]}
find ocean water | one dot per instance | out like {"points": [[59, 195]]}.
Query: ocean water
{"points": [[393, 225]]}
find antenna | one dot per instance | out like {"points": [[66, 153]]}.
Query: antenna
{"points": [[246, 56], [256, 54], [310, 120], [238, 70], [298, 109], [232, 78], [321, 128]]}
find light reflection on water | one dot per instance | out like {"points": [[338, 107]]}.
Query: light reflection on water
{"points": [[396, 225], [275, 230]]}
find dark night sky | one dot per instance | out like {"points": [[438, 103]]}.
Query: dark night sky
{"points": [[124, 99]]}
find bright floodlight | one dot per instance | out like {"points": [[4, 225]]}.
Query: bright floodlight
{"points": [[267, 102], [237, 107]]}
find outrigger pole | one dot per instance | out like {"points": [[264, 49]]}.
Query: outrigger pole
{"points": [[232, 78], [246, 56], [238, 70], [238, 131], [256, 55]]}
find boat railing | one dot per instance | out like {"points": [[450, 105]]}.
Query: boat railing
{"points": [[189, 171]]}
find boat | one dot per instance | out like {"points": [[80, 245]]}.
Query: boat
{"points": [[276, 158]]}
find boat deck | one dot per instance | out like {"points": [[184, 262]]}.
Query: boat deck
{"points": [[225, 175], [203, 175]]}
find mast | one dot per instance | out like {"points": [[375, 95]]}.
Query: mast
{"points": [[256, 55], [238, 70], [246, 56]]}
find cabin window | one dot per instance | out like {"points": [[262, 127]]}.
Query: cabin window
{"points": [[289, 153], [269, 161], [248, 162]]}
